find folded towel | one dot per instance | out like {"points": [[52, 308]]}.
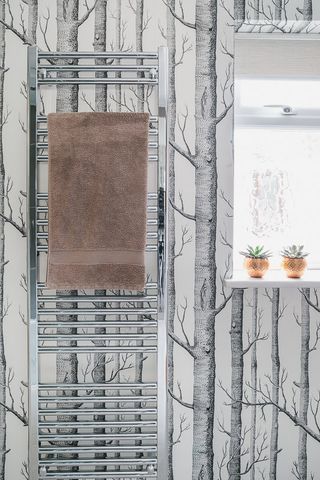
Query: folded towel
{"points": [[97, 200]]}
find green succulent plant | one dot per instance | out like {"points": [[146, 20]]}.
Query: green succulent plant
{"points": [[294, 251], [256, 252]]}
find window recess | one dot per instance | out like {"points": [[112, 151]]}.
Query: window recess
{"points": [[276, 157]]}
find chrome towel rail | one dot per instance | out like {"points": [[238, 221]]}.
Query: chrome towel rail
{"points": [[75, 429]]}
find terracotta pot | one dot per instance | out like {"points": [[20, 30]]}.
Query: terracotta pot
{"points": [[256, 267], [294, 267]]}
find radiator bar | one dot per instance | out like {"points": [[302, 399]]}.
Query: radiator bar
{"points": [[96, 349], [44, 196], [88, 462], [98, 475], [43, 222], [151, 222], [100, 324], [98, 449], [97, 411], [104, 424], [97, 298], [81, 437], [44, 158], [95, 337], [150, 209], [44, 132], [150, 235], [97, 386], [44, 118], [149, 248], [97, 81], [148, 286], [94, 311], [131, 55], [96, 399], [42, 145], [97, 68]]}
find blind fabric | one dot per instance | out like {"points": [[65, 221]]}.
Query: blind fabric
{"points": [[277, 58]]}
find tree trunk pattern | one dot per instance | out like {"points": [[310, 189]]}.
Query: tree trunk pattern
{"points": [[139, 357], [100, 45], [118, 108], [140, 108], [236, 334], [239, 11], [139, 48], [275, 376], [278, 10], [101, 103], [117, 46], [99, 376], [3, 365], [307, 10], [67, 369], [205, 239], [255, 10], [32, 21], [304, 384], [67, 40], [253, 383], [171, 43], [116, 379], [67, 101]]}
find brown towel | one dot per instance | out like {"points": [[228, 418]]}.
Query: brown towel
{"points": [[97, 200]]}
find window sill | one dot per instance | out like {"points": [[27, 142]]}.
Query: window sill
{"points": [[274, 279]]}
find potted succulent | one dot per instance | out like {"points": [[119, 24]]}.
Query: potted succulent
{"points": [[293, 261], [256, 261]]}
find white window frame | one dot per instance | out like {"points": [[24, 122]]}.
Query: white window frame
{"points": [[272, 117]]}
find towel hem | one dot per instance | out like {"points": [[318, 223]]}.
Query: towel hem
{"points": [[96, 257], [75, 277]]}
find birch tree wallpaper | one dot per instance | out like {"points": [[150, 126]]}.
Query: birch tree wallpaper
{"points": [[243, 383]]}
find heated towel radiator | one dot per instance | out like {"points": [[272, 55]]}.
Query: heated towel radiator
{"points": [[97, 359]]}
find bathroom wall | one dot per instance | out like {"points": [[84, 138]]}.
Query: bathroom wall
{"points": [[243, 371]]}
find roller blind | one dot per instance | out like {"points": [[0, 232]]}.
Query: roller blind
{"points": [[277, 58]]}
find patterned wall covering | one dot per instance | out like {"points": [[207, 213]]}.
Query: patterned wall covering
{"points": [[243, 370]]}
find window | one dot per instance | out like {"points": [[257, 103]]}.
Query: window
{"points": [[277, 165]]}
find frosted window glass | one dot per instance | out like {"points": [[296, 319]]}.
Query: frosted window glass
{"points": [[277, 194]]}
